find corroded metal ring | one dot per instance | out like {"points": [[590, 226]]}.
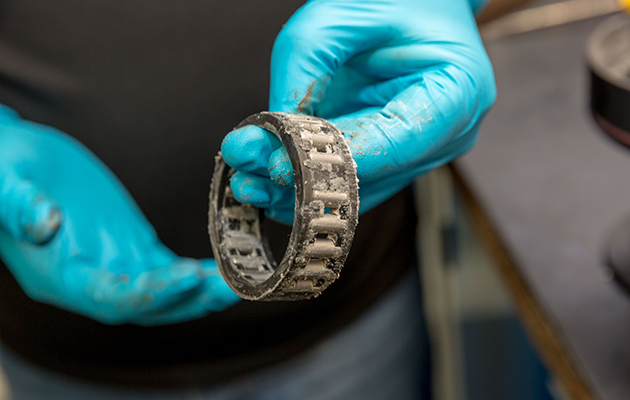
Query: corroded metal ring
{"points": [[326, 215]]}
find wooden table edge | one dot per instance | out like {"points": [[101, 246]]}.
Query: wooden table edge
{"points": [[542, 330]]}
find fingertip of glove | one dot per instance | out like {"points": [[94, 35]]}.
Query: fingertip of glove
{"points": [[42, 221], [246, 191], [220, 294], [185, 274], [160, 285], [210, 267], [280, 169], [244, 147], [284, 216]]}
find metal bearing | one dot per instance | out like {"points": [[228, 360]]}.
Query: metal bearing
{"points": [[326, 215]]}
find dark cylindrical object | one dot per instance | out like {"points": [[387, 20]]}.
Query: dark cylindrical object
{"points": [[608, 55]]}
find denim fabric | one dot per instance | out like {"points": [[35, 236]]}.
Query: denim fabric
{"points": [[381, 356]]}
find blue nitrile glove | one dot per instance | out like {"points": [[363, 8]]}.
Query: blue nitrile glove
{"points": [[407, 81], [73, 237]]}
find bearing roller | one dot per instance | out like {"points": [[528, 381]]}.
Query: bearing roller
{"points": [[326, 215]]}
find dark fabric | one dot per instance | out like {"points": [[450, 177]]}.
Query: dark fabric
{"points": [[152, 86]]}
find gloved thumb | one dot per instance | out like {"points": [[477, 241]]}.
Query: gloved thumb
{"points": [[26, 212]]}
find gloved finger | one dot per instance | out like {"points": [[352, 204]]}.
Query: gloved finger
{"points": [[280, 168], [261, 191], [317, 39], [409, 57], [342, 100], [110, 296], [282, 215], [347, 93], [212, 296], [373, 78], [254, 150], [248, 149], [415, 125], [278, 201], [373, 193], [355, 91], [26, 212]]}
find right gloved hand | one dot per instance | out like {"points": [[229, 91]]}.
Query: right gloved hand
{"points": [[408, 82], [73, 237]]}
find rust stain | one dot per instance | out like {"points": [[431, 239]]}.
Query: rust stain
{"points": [[305, 105], [314, 94]]}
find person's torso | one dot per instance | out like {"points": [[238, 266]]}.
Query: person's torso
{"points": [[152, 87]]}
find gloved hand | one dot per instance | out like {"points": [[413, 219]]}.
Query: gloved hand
{"points": [[73, 237], [407, 81]]}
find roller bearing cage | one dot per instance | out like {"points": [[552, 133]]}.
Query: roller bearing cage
{"points": [[326, 215]]}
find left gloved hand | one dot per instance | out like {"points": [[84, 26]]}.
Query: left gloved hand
{"points": [[72, 236], [407, 81]]}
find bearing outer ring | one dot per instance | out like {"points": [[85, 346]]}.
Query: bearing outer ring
{"points": [[326, 215]]}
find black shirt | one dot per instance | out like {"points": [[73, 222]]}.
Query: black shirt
{"points": [[152, 87]]}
